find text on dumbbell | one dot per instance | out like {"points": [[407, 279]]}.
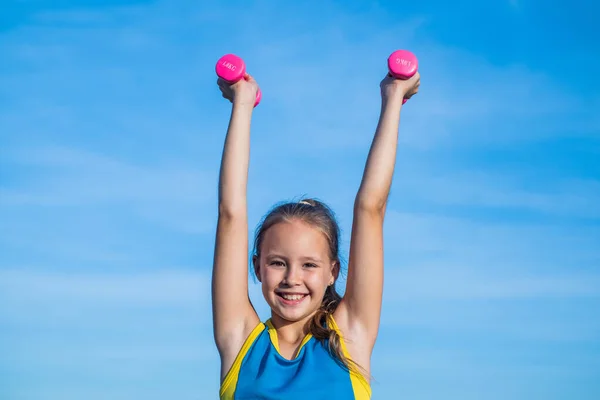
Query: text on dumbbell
{"points": [[228, 65], [403, 62]]}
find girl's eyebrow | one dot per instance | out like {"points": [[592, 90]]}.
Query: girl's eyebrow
{"points": [[309, 258], [275, 255], [306, 258]]}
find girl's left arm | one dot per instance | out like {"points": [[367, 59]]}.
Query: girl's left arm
{"points": [[361, 304]]}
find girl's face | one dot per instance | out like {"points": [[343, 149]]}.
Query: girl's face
{"points": [[294, 269]]}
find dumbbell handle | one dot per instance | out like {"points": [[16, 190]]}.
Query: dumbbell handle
{"points": [[232, 69], [402, 64]]}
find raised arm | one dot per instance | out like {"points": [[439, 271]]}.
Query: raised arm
{"points": [[233, 315], [361, 304]]}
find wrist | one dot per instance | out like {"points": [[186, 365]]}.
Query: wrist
{"points": [[393, 102], [243, 106]]}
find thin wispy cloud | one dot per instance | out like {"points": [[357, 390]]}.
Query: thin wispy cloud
{"points": [[76, 177], [491, 244], [460, 282], [107, 329]]}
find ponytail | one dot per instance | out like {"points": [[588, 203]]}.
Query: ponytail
{"points": [[320, 328]]}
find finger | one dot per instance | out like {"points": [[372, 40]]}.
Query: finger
{"points": [[388, 78], [223, 83]]}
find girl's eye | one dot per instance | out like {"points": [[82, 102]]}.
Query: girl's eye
{"points": [[277, 263], [310, 265]]}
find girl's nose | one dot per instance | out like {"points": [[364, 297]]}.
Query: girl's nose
{"points": [[293, 276]]}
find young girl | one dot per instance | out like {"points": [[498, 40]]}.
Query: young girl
{"points": [[316, 345]]}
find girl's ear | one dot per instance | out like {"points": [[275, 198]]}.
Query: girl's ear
{"points": [[256, 266], [335, 272]]}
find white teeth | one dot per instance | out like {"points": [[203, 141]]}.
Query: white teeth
{"points": [[292, 296]]}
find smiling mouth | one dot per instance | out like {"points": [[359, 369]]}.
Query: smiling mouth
{"points": [[291, 298]]}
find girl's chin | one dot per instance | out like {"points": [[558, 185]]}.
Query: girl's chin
{"points": [[292, 313]]}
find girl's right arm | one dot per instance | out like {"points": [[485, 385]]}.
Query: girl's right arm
{"points": [[233, 314]]}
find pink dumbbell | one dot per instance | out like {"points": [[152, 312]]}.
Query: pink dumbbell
{"points": [[402, 64], [232, 68]]}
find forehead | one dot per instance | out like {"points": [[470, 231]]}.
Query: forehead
{"points": [[295, 237]]}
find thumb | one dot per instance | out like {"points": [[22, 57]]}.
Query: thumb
{"points": [[249, 78]]}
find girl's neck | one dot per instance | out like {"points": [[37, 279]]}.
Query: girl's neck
{"points": [[291, 332]]}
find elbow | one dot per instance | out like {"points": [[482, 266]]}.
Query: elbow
{"points": [[370, 204], [232, 211]]}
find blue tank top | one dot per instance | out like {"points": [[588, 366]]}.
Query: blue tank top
{"points": [[261, 372]]}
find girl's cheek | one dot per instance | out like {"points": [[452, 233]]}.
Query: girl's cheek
{"points": [[272, 279], [314, 280]]}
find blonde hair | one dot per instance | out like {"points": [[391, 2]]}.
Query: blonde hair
{"points": [[320, 216]]}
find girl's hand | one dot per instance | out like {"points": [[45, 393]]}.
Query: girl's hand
{"points": [[241, 92], [393, 88]]}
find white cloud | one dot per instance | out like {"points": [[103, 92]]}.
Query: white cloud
{"points": [[145, 288], [465, 100], [490, 244], [40, 296], [531, 281], [173, 195], [92, 335], [75, 176], [571, 197], [446, 281], [542, 319]]}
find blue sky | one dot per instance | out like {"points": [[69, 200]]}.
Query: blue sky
{"points": [[111, 131]]}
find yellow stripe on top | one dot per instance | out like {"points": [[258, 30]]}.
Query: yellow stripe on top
{"points": [[229, 383], [304, 341], [273, 335], [360, 385]]}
